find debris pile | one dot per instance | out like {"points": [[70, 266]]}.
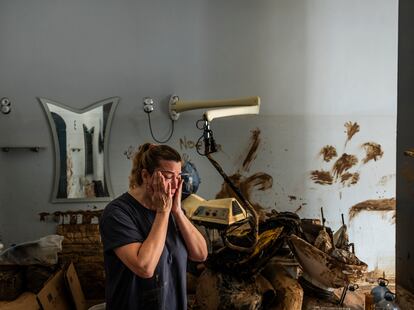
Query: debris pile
{"points": [[284, 244]]}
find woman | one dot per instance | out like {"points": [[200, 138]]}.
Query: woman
{"points": [[147, 237]]}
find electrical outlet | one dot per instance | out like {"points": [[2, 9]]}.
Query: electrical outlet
{"points": [[148, 105], [5, 105]]}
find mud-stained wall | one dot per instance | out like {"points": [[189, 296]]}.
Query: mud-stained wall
{"points": [[325, 136], [303, 180]]}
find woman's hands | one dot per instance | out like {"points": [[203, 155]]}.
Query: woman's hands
{"points": [[165, 194], [176, 205], [159, 193]]}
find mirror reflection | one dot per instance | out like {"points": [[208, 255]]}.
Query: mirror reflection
{"points": [[81, 141]]}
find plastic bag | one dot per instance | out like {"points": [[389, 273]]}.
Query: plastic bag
{"points": [[41, 252]]}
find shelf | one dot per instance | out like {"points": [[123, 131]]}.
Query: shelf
{"points": [[33, 148]]}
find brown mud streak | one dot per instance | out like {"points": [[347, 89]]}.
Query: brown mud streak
{"points": [[373, 151], [351, 130], [409, 153], [373, 205], [322, 177], [344, 163], [254, 144], [328, 152], [349, 179], [298, 209], [260, 181]]}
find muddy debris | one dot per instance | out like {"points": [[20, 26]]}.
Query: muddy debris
{"points": [[289, 293], [220, 291]]}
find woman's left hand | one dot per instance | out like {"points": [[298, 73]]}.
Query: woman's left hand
{"points": [[176, 205]]}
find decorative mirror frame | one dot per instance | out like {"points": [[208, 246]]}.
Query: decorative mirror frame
{"points": [[114, 100]]}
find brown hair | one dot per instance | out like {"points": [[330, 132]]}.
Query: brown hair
{"points": [[148, 157]]}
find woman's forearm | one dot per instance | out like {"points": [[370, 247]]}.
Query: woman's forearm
{"points": [[151, 249], [194, 240]]}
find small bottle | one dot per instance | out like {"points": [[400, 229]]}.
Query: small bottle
{"points": [[387, 303], [379, 291]]}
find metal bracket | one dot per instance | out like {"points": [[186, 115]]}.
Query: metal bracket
{"points": [[5, 105], [148, 104], [173, 114]]}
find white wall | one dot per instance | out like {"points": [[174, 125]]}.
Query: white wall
{"points": [[315, 64]]}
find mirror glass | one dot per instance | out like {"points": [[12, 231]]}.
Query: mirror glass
{"points": [[80, 140]]}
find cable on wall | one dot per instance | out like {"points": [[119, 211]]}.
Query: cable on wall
{"points": [[148, 108]]}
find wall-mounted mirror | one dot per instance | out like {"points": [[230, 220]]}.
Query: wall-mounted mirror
{"points": [[80, 140]]}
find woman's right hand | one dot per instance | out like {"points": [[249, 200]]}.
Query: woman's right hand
{"points": [[161, 197]]}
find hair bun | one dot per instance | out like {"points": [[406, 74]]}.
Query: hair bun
{"points": [[144, 147]]}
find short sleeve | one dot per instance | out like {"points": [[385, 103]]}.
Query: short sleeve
{"points": [[118, 228]]}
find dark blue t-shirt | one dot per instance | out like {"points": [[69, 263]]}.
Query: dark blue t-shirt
{"points": [[125, 221]]}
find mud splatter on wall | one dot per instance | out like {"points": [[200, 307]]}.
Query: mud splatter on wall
{"points": [[384, 179], [328, 152], [340, 171], [343, 164], [351, 130], [373, 151], [252, 153], [383, 205], [130, 152], [322, 177], [349, 179], [260, 181]]}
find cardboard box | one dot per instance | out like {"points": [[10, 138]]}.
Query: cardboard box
{"points": [[72, 282], [61, 292], [26, 301], [54, 295]]}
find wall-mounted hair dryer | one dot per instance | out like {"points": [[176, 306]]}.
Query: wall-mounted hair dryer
{"points": [[227, 108]]}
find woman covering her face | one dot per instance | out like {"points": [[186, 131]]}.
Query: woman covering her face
{"points": [[147, 238]]}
